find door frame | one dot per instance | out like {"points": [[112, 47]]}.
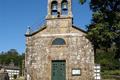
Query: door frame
{"points": [[52, 67]]}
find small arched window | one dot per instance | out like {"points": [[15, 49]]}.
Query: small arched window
{"points": [[64, 7], [58, 41], [54, 8]]}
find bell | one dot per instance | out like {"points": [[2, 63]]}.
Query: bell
{"points": [[64, 5], [54, 8]]}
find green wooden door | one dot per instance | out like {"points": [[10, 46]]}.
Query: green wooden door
{"points": [[58, 70]]}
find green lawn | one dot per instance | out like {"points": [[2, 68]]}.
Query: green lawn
{"points": [[106, 75], [21, 78], [111, 75]]}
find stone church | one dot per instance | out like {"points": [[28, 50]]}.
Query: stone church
{"points": [[58, 50]]}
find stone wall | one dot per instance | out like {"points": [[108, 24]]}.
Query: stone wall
{"points": [[4, 76], [78, 53]]}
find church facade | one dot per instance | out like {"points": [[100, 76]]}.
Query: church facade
{"points": [[59, 50]]}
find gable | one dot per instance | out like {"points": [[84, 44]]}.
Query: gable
{"points": [[37, 31], [79, 29], [74, 29]]}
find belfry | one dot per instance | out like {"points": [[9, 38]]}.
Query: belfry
{"points": [[58, 50]]}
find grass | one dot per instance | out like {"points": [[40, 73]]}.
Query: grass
{"points": [[106, 75], [110, 74], [20, 78]]}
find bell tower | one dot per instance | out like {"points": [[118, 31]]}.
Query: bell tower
{"points": [[59, 9], [59, 17]]}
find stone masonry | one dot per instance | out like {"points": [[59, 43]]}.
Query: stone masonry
{"points": [[77, 51]]}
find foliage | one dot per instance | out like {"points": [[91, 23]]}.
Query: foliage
{"points": [[107, 60], [6, 57], [105, 25], [12, 55], [110, 75], [82, 1], [111, 72], [15, 76], [104, 32]]}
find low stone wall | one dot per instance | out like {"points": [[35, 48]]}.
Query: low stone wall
{"points": [[4, 76]]}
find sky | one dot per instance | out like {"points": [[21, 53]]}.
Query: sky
{"points": [[17, 15]]}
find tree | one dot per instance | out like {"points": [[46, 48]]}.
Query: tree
{"points": [[82, 1], [104, 29], [12, 54]]}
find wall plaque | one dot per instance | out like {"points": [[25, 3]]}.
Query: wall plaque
{"points": [[76, 72]]}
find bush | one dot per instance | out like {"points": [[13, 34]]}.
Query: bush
{"points": [[107, 60]]}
